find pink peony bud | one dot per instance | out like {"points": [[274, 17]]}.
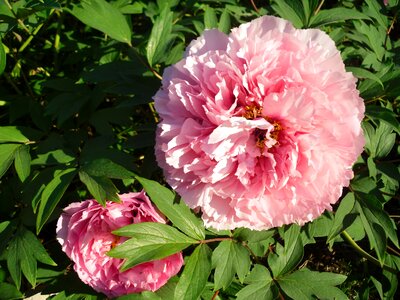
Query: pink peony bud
{"points": [[261, 127], [84, 232]]}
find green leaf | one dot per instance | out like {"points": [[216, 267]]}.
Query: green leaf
{"points": [[392, 278], [320, 227], [210, 18], [376, 234], [160, 36], [363, 73], [13, 264], [101, 188], [22, 162], [167, 291], [195, 274], [3, 58], [286, 11], [337, 14], [146, 295], [150, 241], [9, 291], [178, 213], [288, 257], [259, 287], [383, 114], [52, 194], [377, 223], [257, 241], [343, 219], [229, 258], [379, 142], [11, 134], [7, 154], [22, 255], [245, 234], [169, 3], [36, 248], [54, 157], [257, 291], [259, 274], [102, 16], [305, 284], [375, 11], [373, 37], [224, 24], [104, 167]]}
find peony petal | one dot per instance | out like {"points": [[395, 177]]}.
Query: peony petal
{"points": [[259, 128]]}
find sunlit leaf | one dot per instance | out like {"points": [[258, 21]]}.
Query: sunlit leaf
{"points": [[149, 241], [52, 194], [102, 188], [11, 134], [337, 14], [195, 274], [288, 257], [102, 16], [229, 258], [159, 36], [210, 18], [259, 287], [23, 253], [343, 219], [363, 73], [7, 154], [305, 284], [179, 214]]}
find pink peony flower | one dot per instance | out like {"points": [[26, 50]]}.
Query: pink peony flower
{"points": [[84, 232], [259, 128]]}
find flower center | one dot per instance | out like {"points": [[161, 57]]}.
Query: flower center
{"points": [[252, 112], [115, 242]]}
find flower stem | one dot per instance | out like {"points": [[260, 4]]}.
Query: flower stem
{"points": [[215, 295], [216, 240], [254, 6], [364, 254], [319, 7]]}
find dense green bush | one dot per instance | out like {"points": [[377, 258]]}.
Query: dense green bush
{"points": [[77, 121]]}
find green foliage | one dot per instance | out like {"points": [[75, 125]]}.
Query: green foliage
{"points": [[179, 214], [23, 252], [228, 259], [149, 241], [288, 257], [77, 122], [195, 274], [105, 17], [304, 284], [3, 58], [260, 285]]}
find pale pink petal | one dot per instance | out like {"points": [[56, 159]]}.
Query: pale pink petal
{"points": [[260, 128]]}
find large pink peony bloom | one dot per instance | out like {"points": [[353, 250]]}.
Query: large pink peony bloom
{"points": [[84, 232], [259, 128]]}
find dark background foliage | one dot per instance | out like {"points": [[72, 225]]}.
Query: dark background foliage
{"points": [[77, 121]]}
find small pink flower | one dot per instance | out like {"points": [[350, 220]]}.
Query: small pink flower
{"points": [[261, 127], [84, 232]]}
